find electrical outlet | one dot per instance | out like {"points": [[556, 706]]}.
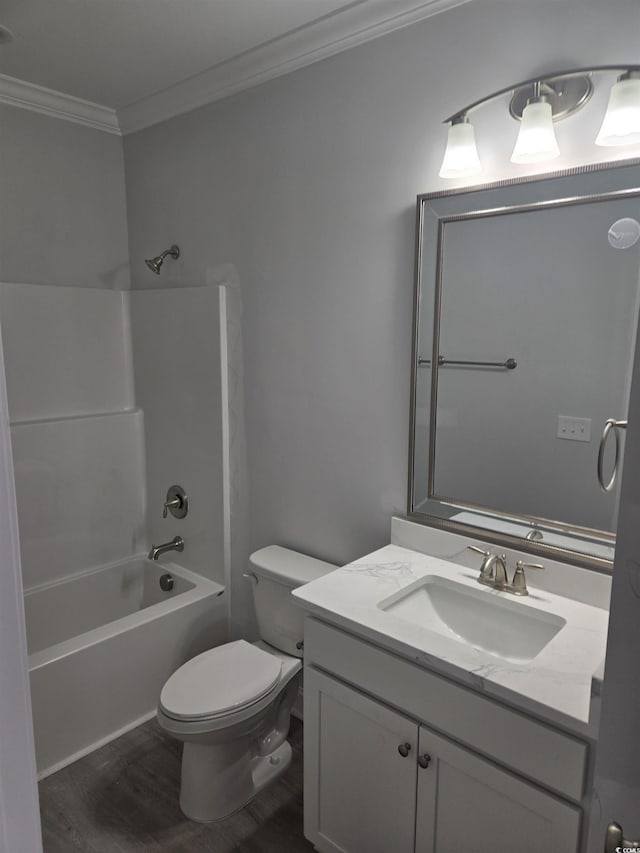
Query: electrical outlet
{"points": [[574, 429]]}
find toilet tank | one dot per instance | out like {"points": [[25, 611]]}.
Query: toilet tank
{"points": [[276, 571]]}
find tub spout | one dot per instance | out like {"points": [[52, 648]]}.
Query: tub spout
{"points": [[176, 544]]}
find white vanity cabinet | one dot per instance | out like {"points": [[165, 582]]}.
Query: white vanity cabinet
{"points": [[467, 803], [379, 780], [363, 796]]}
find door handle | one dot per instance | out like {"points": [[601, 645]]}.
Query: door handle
{"points": [[614, 840]]}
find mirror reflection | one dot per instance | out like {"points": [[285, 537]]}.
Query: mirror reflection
{"points": [[529, 312]]}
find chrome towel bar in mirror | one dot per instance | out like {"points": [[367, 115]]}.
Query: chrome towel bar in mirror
{"points": [[509, 364]]}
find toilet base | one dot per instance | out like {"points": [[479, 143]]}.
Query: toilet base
{"points": [[266, 768], [216, 783]]}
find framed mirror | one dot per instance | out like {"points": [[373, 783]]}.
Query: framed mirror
{"points": [[525, 320]]}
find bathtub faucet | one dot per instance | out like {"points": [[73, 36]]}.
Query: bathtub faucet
{"points": [[176, 544]]}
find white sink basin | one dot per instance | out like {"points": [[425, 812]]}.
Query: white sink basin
{"points": [[493, 623]]}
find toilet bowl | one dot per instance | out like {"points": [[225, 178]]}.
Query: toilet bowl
{"points": [[231, 705]]}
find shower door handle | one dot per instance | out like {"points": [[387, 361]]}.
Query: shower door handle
{"points": [[611, 424]]}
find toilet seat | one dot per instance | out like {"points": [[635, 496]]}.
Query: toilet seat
{"points": [[220, 682]]}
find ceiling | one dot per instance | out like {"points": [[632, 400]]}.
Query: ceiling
{"points": [[121, 53], [116, 52]]}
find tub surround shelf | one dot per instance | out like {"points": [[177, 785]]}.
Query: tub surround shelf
{"points": [[555, 685]]}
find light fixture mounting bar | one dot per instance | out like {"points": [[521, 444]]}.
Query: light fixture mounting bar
{"points": [[577, 89], [565, 94]]}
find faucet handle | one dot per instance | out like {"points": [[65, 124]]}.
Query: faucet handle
{"points": [[478, 550], [519, 583], [522, 565]]}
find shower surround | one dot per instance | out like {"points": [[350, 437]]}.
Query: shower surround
{"points": [[113, 396]]}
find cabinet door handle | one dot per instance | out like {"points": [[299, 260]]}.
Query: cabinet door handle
{"points": [[404, 749], [424, 760]]}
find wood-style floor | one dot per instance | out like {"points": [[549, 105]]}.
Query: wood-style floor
{"points": [[123, 798]]}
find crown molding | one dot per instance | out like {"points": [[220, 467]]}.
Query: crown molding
{"points": [[352, 25], [29, 96], [346, 28]]}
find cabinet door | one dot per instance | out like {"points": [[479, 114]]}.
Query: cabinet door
{"points": [[359, 771], [467, 803]]}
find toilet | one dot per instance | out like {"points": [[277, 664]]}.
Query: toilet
{"points": [[231, 705]]}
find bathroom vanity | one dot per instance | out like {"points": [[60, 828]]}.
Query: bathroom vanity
{"points": [[442, 715]]}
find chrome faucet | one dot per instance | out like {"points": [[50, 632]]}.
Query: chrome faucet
{"points": [[493, 572], [176, 544], [535, 535]]}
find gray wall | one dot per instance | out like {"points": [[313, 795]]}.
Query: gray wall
{"points": [[62, 203], [307, 186]]}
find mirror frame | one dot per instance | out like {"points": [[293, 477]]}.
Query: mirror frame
{"points": [[601, 181]]}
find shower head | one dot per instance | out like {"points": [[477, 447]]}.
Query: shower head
{"points": [[154, 264]]}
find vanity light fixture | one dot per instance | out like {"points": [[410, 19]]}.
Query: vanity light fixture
{"points": [[461, 157], [536, 140], [621, 125], [537, 104]]}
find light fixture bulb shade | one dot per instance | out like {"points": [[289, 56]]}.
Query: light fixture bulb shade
{"points": [[536, 140], [461, 156], [621, 124]]}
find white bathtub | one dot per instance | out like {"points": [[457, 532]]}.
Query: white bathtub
{"points": [[102, 644]]}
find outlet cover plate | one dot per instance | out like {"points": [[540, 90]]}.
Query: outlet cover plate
{"points": [[574, 429]]}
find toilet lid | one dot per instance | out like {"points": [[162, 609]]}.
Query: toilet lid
{"points": [[220, 681]]}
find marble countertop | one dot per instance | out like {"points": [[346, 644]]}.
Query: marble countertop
{"points": [[555, 686]]}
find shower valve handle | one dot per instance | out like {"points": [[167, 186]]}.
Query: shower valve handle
{"points": [[176, 502]]}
